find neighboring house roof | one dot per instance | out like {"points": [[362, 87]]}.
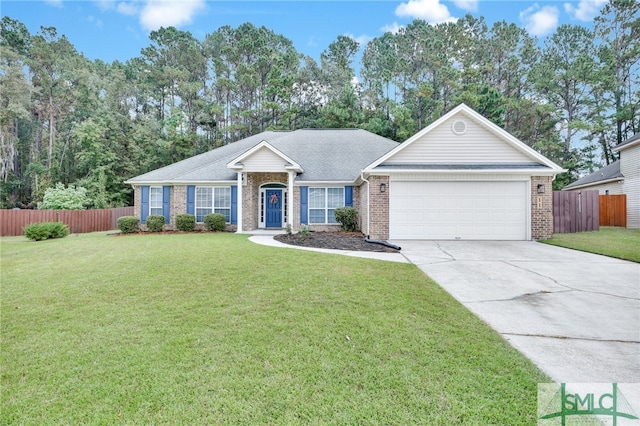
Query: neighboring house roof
{"points": [[632, 141], [606, 174], [447, 145], [323, 155]]}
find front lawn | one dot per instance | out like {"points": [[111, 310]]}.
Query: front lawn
{"points": [[610, 241], [213, 329]]}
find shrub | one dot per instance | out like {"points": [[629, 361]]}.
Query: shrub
{"points": [[128, 224], [348, 218], [45, 230], [185, 222], [155, 222], [60, 197], [215, 222]]}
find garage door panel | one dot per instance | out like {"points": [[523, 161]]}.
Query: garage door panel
{"points": [[458, 210]]}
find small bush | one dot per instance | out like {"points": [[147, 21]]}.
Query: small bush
{"points": [[45, 230], [215, 222], [348, 218], [155, 222], [129, 224], [185, 222]]}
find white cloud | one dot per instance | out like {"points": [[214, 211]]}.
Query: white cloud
{"points": [[392, 28], [470, 5], [127, 8], [540, 21], [586, 9], [362, 40], [55, 3], [431, 11], [168, 13]]}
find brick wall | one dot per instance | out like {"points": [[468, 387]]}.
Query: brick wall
{"points": [[379, 208], [541, 208]]}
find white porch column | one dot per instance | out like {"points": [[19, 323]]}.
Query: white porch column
{"points": [[292, 176], [239, 204]]}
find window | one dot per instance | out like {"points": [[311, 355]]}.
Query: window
{"points": [[211, 199], [323, 202], [155, 200]]}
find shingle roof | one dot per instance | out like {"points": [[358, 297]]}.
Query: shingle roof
{"points": [[325, 155], [628, 142], [612, 171]]}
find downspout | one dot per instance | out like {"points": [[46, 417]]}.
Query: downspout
{"points": [[368, 199]]}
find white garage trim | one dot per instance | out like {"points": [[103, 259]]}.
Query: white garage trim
{"points": [[470, 209]]}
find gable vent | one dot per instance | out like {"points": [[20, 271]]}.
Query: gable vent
{"points": [[459, 127]]}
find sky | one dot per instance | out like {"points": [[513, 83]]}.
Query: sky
{"points": [[118, 29]]}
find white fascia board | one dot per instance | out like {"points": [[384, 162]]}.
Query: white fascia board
{"points": [[600, 182], [325, 183], [176, 182], [524, 172], [623, 147], [291, 165]]}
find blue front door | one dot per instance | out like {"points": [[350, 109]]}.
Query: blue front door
{"points": [[273, 208]]}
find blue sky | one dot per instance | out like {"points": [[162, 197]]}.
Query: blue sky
{"points": [[118, 29]]}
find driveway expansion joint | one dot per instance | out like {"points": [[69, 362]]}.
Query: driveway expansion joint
{"points": [[590, 339]]}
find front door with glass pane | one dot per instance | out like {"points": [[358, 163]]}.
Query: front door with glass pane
{"points": [[273, 208]]}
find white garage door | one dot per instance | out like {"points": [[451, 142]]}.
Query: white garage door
{"points": [[458, 210]]}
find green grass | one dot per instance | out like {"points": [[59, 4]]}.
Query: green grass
{"points": [[213, 329], [610, 241]]}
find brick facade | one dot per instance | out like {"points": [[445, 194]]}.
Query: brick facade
{"points": [[378, 208], [541, 208], [251, 196]]}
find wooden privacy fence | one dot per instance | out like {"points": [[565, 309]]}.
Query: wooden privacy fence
{"points": [[78, 221], [613, 210], [576, 211]]}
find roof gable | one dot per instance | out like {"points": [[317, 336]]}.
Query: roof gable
{"points": [[463, 137], [631, 142], [263, 158]]}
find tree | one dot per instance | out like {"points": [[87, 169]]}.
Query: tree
{"points": [[60, 197]]}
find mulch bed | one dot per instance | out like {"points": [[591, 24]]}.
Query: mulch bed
{"points": [[333, 240]]}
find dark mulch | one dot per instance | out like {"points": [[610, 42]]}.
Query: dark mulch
{"points": [[333, 240]]}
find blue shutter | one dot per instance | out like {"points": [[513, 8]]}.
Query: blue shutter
{"points": [[166, 198], [348, 196], [191, 199], [234, 205], [144, 203], [304, 204]]}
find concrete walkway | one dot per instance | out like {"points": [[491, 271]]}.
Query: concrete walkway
{"points": [[576, 315]]}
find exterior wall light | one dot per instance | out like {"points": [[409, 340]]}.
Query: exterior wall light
{"points": [[540, 188], [383, 187]]}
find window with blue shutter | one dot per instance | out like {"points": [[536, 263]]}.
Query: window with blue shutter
{"points": [[166, 207], [304, 205], [234, 205], [191, 199], [348, 196], [144, 203]]}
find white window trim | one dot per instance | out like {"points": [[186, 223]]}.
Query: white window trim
{"points": [[213, 201], [151, 206], [326, 204]]}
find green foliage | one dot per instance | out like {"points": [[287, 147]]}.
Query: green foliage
{"points": [[60, 197], [348, 218], [214, 222], [304, 230], [129, 224], [155, 222], [185, 222], [45, 230]]}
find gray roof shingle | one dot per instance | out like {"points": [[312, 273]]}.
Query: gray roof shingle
{"points": [[612, 171], [325, 155]]}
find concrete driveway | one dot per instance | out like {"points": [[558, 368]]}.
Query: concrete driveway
{"points": [[576, 315]]}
